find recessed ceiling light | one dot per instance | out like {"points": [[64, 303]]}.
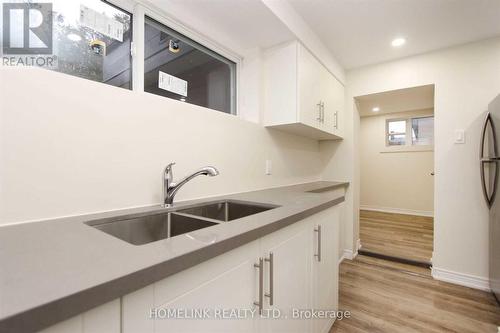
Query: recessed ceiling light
{"points": [[397, 42], [376, 109], [74, 37]]}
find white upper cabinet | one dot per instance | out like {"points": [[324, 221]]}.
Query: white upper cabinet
{"points": [[301, 95]]}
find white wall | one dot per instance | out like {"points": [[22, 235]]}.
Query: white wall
{"points": [[71, 146], [395, 179], [466, 79]]}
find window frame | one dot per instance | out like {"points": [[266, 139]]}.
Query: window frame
{"points": [[140, 11], [187, 40], [410, 121], [128, 9], [408, 133], [387, 134]]}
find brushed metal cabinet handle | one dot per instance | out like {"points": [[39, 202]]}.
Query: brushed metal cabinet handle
{"points": [[270, 295], [319, 111], [336, 123], [260, 302], [317, 230]]}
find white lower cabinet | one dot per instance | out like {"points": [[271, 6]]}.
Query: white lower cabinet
{"points": [[299, 271], [220, 297], [291, 254], [225, 282], [293, 275], [325, 288], [102, 319]]}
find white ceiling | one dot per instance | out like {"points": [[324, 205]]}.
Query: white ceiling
{"points": [[401, 100], [239, 25], [359, 32]]}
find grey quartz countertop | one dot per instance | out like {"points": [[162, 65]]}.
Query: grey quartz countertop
{"points": [[53, 270]]}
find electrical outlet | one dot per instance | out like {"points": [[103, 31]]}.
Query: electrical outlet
{"points": [[269, 167]]}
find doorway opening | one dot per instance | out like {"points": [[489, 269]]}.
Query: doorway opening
{"points": [[396, 144]]}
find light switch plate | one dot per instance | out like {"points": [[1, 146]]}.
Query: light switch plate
{"points": [[459, 136]]}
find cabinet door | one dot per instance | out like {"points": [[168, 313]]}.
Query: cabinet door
{"points": [[334, 103], [291, 277], [339, 106], [311, 86], [201, 298], [280, 85], [102, 319], [330, 103], [325, 230]]}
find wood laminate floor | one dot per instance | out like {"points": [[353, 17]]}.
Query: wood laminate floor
{"points": [[397, 235], [384, 296]]}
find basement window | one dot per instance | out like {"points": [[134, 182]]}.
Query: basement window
{"points": [[179, 68], [396, 132], [422, 131], [416, 131], [92, 40]]}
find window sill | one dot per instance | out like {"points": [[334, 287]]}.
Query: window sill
{"points": [[406, 149]]}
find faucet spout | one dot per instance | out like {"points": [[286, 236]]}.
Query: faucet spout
{"points": [[170, 188]]}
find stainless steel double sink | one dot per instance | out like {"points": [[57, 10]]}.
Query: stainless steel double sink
{"points": [[146, 228]]}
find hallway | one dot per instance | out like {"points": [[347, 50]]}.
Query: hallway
{"points": [[397, 235]]}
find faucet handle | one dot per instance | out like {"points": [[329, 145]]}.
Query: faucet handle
{"points": [[168, 173]]}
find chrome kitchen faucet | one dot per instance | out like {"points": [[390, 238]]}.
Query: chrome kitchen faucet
{"points": [[170, 187]]}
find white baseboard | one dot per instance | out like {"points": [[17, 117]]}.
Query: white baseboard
{"points": [[348, 254], [471, 281], [327, 328], [398, 211]]}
